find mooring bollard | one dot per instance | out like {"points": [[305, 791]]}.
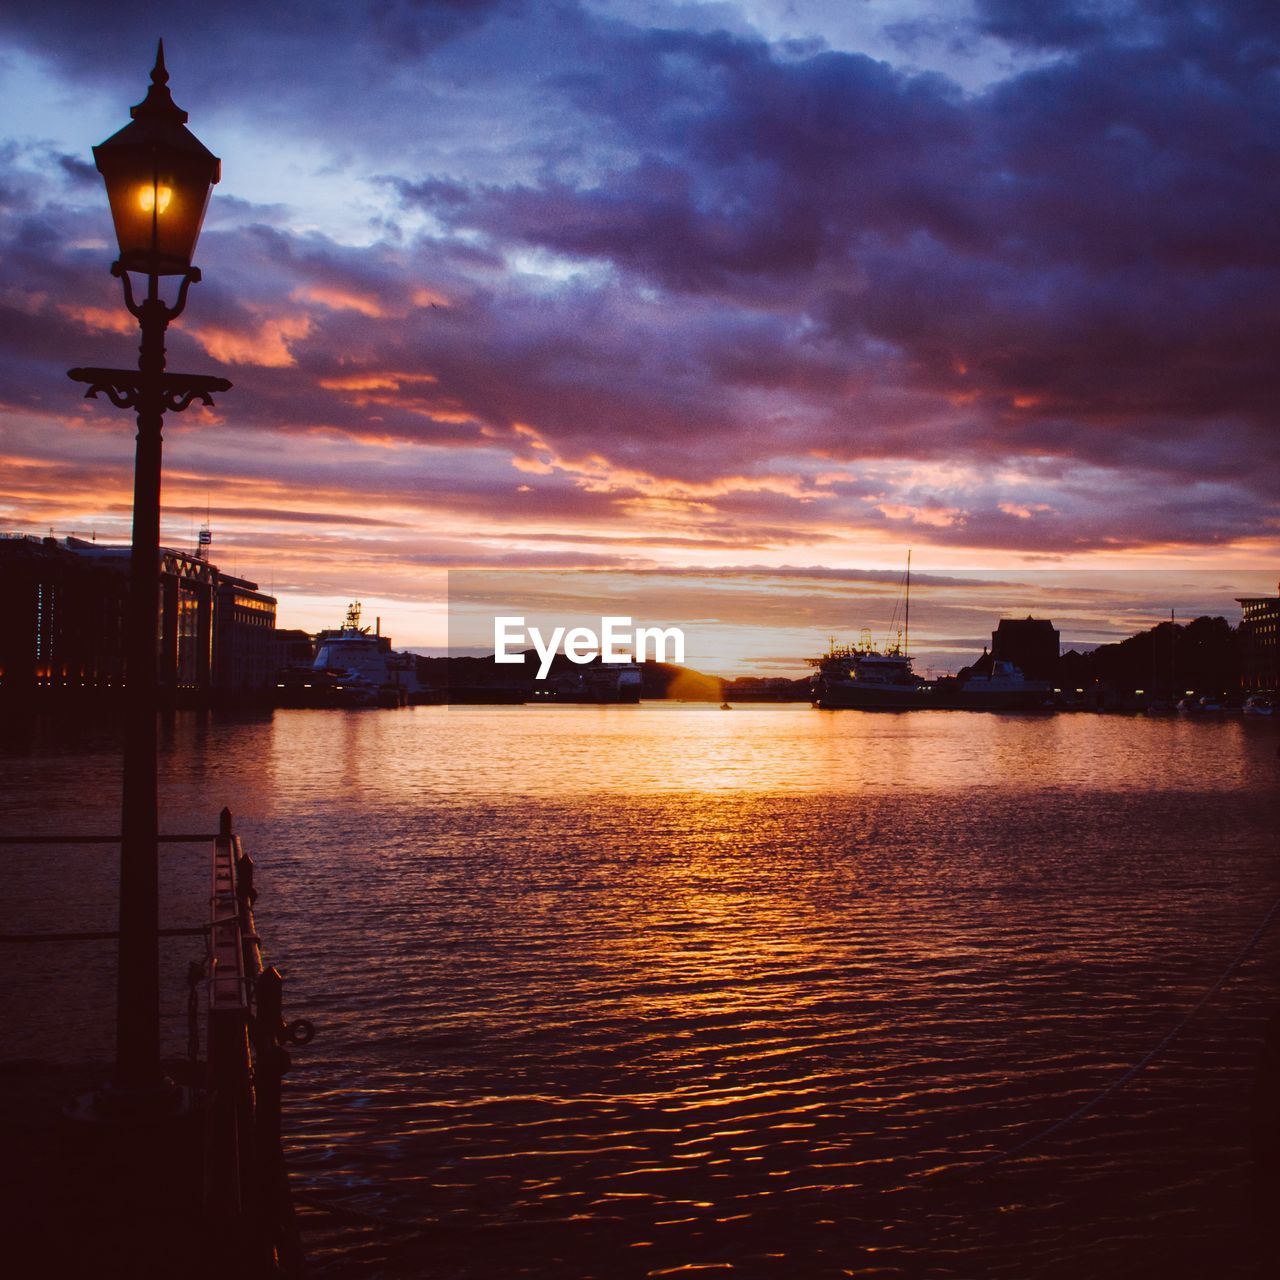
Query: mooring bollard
{"points": [[271, 1060], [245, 891]]}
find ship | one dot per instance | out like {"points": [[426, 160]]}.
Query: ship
{"points": [[353, 667], [868, 678], [864, 677]]}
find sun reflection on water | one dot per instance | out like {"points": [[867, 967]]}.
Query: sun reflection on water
{"points": [[701, 987]]}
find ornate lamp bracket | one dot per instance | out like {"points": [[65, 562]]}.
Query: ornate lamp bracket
{"points": [[152, 302], [123, 387]]}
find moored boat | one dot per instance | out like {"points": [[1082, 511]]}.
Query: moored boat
{"points": [[312, 687], [867, 679], [352, 668], [1003, 688], [1208, 705], [595, 683]]}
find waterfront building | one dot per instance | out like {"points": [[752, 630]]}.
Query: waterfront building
{"points": [[245, 640], [1031, 644], [292, 648], [67, 602], [1259, 651], [65, 617]]}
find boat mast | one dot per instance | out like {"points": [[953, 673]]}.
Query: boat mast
{"points": [[906, 626]]}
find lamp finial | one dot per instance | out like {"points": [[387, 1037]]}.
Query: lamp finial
{"points": [[159, 103]]}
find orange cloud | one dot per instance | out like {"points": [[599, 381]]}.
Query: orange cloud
{"points": [[1024, 511], [594, 473], [374, 381], [934, 517], [451, 416], [101, 319], [533, 466], [268, 346], [340, 300]]}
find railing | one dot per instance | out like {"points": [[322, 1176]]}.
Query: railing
{"points": [[246, 1202], [246, 1186]]}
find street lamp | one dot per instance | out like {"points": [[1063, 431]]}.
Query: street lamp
{"points": [[158, 178]]}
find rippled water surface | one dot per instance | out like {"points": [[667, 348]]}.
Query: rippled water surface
{"points": [[615, 992]]}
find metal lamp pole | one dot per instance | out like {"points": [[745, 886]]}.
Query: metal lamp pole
{"points": [[158, 178]]}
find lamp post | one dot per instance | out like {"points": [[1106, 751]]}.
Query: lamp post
{"points": [[158, 178]]}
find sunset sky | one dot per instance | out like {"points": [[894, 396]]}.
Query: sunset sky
{"points": [[576, 283]]}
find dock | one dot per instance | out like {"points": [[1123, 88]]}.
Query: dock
{"points": [[195, 1186]]}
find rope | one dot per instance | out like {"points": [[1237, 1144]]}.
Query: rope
{"points": [[1145, 1061]]}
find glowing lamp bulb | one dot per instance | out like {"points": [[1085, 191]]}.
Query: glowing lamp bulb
{"points": [[155, 198]]}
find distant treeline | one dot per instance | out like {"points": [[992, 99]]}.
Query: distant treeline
{"points": [[1204, 655]]}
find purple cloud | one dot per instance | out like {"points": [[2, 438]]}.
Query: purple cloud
{"points": [[680, 288]]}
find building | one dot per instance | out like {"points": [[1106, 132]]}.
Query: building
{"points": [[67, 606], [65, 618], [292, 648], [187, 584], [1031, 644], [1259, 653], [244, 640]]}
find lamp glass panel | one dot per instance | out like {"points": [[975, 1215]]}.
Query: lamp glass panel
{"points": [[158, 204]]}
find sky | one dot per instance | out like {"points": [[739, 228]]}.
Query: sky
{"points": [[581, 284]]}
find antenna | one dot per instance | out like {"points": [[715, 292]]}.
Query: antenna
{"points": [[204, 542]]}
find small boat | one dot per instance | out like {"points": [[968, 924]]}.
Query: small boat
{"points": [[1003, 688], [724, 706], [1208, 705], [1259, 704], [310, 687]]}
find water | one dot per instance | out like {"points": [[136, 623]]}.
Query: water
{"points": [[615, 992]]}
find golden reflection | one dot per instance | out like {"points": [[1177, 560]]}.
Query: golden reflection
{"points": [[724, 972]]}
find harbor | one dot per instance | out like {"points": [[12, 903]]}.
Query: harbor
{"points": [[230, 653], [482, 796], [562, 1015]]}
